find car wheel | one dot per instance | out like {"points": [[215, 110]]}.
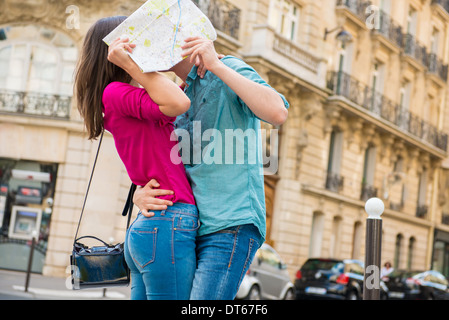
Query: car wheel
{"points": [[289, 295], [254, 293], [352, 295]]}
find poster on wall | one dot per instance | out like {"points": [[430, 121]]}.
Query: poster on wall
{"points": [[24, 220]]}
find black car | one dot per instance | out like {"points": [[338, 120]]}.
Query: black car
{"points": [[417, 285], [332, 279]]}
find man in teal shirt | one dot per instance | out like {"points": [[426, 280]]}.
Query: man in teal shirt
{"points": [[227, 104]]}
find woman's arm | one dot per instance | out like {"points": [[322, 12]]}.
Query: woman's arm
{"points": [[263, 101], [171, 99]]}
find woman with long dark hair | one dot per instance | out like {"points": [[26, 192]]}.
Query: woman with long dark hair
{"points": [[159, 250]]}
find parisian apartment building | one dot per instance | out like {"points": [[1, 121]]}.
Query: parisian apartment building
{"points": [[367, 83]]}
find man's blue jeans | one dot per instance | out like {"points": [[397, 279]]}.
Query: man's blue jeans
{"points": [[160, 253], [223, 259]]}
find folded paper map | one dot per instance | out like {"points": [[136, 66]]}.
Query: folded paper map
{"points": [[159, 28]]}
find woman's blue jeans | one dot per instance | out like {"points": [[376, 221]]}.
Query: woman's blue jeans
{"points": [[160, 253]]}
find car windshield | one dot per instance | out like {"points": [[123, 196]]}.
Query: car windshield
{"points": [[320, 264]]}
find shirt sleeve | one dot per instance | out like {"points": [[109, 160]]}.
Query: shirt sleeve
{"points": [[129, 101], [248, 72]]}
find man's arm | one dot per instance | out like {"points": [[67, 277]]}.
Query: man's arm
{"points": [[145, 198], [263, 101]]}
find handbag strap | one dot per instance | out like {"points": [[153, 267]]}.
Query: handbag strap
{"points": [[129, 203]]}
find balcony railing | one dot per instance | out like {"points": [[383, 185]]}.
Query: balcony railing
{"points": [[344, 85], [223, 15], [390, 29], [421, 211], [334, 182], [415, 49], [289, 49], [407, 42], [368, 192], [436, 66], [445, 218], [36, 104], [357, 7]]}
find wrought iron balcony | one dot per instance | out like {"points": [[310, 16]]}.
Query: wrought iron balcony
{"points": [[223, 15], [368, 192], [436, 66], [390, 29], [421, 211], [416, 50], [397, 206], [445, 218], [36, 104], [357, 7], [334, 182], [343, 84], [393, 31]]}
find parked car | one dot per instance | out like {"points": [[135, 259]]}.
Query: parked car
{"points": [[267, 278], [417, 285], [332, 279]]}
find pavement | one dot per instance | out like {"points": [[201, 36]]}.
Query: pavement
{"points": [[12, 287]]}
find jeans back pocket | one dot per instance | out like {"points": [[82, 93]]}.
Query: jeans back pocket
{"points": [[142, 246]]}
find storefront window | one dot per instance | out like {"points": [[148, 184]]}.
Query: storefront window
{"points": [[441, 257], [26, 203]]}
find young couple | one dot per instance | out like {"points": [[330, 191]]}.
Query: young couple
{"points": [[200, 225]]}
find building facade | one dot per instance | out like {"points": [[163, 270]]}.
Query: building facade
{"points": [[367, 85]]}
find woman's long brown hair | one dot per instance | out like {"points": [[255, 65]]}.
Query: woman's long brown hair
{"points": [[94, 73]]}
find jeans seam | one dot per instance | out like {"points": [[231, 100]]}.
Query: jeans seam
{"points": [[250, 250], [173, 229], [233, 248]]}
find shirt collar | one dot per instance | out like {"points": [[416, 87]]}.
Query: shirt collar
{"points": [[192, 75]]}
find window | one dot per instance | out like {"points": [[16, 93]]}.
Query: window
{"points": [[421, 209], [434, 42], [334, 181], [284, 18], [397, 190], [44, 65], [368, 190], [316, 235], [440, 259], [335, 243], [412, 22], [357, 240], [397, 251], [404, 103], [405, 95], [385, 6], [411, 248], [378, 78], [377, 87]]}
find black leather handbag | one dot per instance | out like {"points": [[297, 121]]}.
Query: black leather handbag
{"points": [[104, 265]]}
